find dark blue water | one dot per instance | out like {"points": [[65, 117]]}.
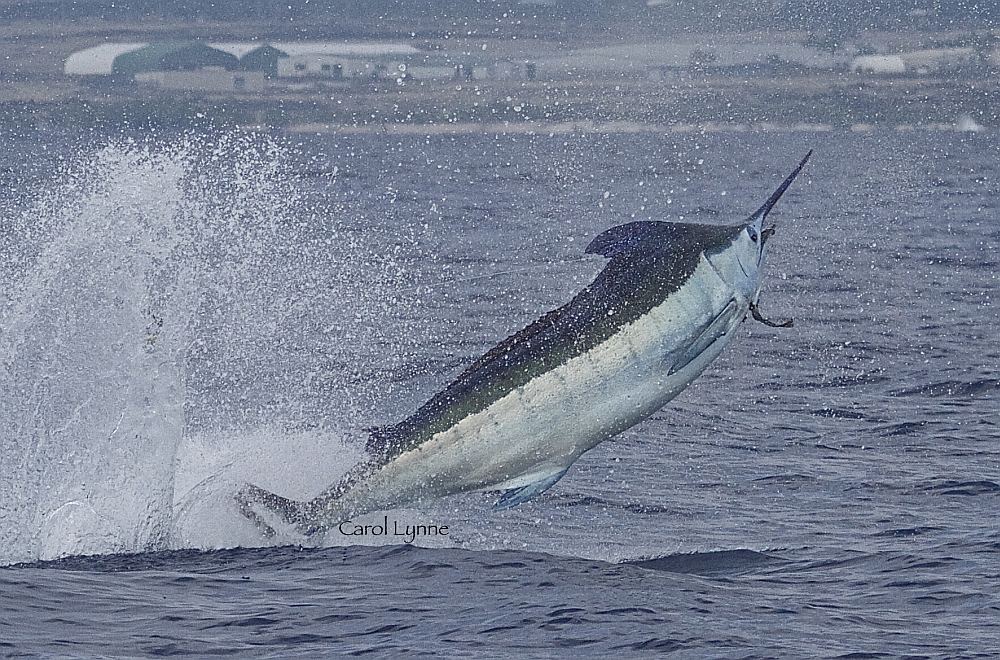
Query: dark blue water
{"points": [[825, 490]]}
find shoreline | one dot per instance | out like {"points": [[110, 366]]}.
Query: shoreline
{"points": [[611, 127]]}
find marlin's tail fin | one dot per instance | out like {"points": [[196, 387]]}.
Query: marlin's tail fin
{"points": [[252, 499], [319, 514]]}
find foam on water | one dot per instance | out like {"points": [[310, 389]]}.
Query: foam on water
{"points": [[120, 273], [210, 467]]}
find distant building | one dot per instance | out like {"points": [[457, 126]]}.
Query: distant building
{"points": [[264, 59], [345, 60], [430, 71], [444, 66], [879, 64], [938, 60], [127, 60], [336, 67], [204, 81], [255, 57], [98, 60], [934, 60], [296, 62], [173, 57], [514, 70]]}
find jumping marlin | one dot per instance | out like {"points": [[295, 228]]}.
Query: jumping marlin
{"points": [[665, 305]]}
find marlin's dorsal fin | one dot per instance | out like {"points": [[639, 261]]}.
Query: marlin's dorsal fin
{"points": [[658, 237], [516, 496], [622, 239]]}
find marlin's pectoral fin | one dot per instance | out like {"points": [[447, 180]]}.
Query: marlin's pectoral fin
{"points": [[709, 333], [757, 316], [516, 496]]}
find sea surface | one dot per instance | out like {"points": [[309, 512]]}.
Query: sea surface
{"points": [[182, 313]]}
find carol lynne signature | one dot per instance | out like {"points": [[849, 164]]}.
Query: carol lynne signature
{"points": [[407, 533]]}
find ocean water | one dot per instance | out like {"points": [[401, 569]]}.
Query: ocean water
{"points": [[184, 313]]}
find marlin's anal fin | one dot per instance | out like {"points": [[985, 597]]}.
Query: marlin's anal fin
{"points": [[757, 316], [516, 496]]}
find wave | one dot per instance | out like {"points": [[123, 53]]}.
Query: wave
{"points": [[958, 487], [951, 388], [719, 562], [404, 599]]}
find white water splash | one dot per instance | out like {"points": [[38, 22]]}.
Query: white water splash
{"points": [[93, 391], [122, 273]]}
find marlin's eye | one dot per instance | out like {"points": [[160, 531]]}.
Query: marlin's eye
{"points": [[753, 234]]}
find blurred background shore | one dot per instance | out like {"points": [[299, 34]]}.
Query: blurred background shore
{"points": [[500, 66]]}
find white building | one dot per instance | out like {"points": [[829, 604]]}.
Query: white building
{"points": [[98, 60], [344, 60], [514, 70], [338, 67], [939, 59], [880, 64], [431, 71], [932, 60]]}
